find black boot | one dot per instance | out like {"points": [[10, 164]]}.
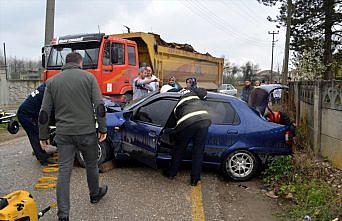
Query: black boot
{"points": [[167, 174], [194, 182], [102, 192]]}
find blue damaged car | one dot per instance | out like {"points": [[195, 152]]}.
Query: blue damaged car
{"points": [[239, 142]]}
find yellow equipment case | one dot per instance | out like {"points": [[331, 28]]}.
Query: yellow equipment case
{"points": [[18, 206]]}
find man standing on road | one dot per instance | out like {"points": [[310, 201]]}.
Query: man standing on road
{"points": [[246, 91], [141, 84], [28, 117], [192, 123], [74, 94], [151, 76]]}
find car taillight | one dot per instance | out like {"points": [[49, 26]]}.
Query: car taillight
{"points": [[288, 137]]}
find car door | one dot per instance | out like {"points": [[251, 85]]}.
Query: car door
{"points": [[141, 132], [224, 130]]}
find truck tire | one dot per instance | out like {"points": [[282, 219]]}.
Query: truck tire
{"points": [[103, 154]]}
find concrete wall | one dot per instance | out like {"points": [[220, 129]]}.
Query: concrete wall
{"points": [[318, 103], [13, 92], [331, 136], [307, 115]]}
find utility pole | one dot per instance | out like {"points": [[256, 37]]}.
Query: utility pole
{"points": [[273, 43], [287, 41], [5, 60], [49, 21]]}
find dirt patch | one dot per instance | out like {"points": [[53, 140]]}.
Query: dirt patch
{"points": [[246, 201], [6, 136]]}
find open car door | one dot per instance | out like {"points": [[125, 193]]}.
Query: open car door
{"points": [[142, 130]]}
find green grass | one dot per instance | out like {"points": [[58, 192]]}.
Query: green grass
{"points": [[311, 196]]}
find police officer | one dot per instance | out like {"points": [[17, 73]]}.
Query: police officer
{"points": [[27, 114], [192, 123]]}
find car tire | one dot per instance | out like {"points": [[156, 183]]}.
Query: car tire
{"points": [[103, 154], [240, 165]]}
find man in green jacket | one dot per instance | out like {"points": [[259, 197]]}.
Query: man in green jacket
{"points": [[75, 95]]}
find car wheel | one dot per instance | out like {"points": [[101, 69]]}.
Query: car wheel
{"points": [[103, 152], [13, 127], [240, 165]]}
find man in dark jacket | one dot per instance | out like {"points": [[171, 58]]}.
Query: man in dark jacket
{"points": [[28, 117], [192, 123], [246, 90], [74, 94]]}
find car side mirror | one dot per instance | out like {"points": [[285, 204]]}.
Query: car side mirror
{"points": [[43, 58], [128, 114]]}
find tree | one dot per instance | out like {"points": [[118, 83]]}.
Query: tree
{"points": [[249, 70], [309, 64], [230, 72], [313, 22]]}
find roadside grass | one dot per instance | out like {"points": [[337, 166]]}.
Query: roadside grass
{"points": [[3, 127], [302, 184], [305, 183]]}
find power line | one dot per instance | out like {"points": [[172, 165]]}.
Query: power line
{"points": [[218, 21], [225, 23], [210, 20], [239, 11], [252, 11]]}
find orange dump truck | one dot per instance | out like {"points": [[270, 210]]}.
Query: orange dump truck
{"points": [[115, 59]]}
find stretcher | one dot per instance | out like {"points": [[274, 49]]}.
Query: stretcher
{"points": [[8, 118]]}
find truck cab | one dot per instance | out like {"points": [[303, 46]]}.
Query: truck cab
{"points": [[112, 60]]}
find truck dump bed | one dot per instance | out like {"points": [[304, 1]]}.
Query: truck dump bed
{"points": [[178, 60]]}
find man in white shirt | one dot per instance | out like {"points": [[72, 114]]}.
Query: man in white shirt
{"points": [[151, 76], [141, 84]]}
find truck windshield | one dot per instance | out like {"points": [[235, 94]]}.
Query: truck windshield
{"points": [[88, 50]]}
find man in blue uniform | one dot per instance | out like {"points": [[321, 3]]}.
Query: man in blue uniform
{"points": [[192, 123], [28, 113]]}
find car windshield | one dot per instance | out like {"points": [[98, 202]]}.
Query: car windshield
{"points": [[88, 50]]}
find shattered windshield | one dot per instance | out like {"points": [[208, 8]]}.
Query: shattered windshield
{"points": [[88, 50]]}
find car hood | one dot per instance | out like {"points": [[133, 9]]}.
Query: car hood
{"points": [[115, 119]]}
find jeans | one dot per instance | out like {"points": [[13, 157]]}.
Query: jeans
{"points": [[67, 146]]}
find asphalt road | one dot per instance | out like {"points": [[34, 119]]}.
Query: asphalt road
{"points": [[137, 192]]}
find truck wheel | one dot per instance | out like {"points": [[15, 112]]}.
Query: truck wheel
{"points": [[13, 127], [103, 152], [240, 165]]}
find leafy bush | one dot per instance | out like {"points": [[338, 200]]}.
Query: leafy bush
{"points": [[278, 170], [310, 194]]}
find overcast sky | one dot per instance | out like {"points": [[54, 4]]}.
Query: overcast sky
{"points": [[235, 29]]}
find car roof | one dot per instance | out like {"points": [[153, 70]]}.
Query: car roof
{"points": [[210, 95], [156, 95]]}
